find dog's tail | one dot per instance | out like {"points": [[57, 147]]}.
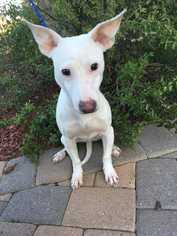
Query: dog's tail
{"points": [[88, 152]]}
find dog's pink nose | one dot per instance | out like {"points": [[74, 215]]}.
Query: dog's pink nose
{"points": [[87, 106]]}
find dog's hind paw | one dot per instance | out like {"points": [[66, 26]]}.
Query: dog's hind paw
{"points": [[116, 152], [59, 156]]}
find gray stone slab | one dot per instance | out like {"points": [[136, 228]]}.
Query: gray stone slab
{"points": [[172, 155], [49, 172], [157, 141], [40, 205], [133, 154], [16, 229], [5, 197], [156, 181], [22, 177], [174, 131], [2, 206], [156, 223], [2, 164]]}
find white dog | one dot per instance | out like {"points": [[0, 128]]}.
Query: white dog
{"points": [[83, 114]]}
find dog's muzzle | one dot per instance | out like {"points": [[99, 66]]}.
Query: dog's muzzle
{"points": [[87, 106]]}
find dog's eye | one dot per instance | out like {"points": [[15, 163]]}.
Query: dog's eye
{"points": [[66, 72], [94, 66]]}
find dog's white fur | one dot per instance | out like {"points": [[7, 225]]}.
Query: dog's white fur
{"points": [[77, 54]]}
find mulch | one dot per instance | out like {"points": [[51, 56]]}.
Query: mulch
{"points": [[10, 142], [11, 137]]}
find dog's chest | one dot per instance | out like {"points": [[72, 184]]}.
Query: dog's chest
{"points": [[88, 129]]}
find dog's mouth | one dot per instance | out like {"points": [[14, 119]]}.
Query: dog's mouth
{"points": [[87, 113]]}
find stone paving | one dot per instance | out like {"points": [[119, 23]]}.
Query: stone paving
{"points": [[38, 201]]}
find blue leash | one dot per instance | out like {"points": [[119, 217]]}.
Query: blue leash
{"points": [[37, 12]]}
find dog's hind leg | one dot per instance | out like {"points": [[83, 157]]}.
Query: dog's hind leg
{"points": [[59, 156], [116, 151]]}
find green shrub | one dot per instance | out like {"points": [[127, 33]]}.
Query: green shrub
{"points": [[20, 117], [24, 72], [140, 79], [42, 131]]}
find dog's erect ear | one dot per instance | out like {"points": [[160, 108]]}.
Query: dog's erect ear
{"points": [[104, 33], [46, 38]]}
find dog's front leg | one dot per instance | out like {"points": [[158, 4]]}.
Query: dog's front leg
{"points": [[71, 148], [111, 176]]}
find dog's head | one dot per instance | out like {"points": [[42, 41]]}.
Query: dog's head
{"points": [[78, 61]]}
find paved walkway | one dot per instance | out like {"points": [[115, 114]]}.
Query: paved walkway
{"points": [[38, 201]]}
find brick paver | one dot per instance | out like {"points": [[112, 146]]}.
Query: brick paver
{"points": [[157, 182], [158, 141], [126, 175], [40, 205], [88, 181], [16, 229], [101, 208], [57, 231]]}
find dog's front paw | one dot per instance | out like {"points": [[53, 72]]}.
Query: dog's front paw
{"points": [[77, 178], [111, 176], [59, 156]]}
